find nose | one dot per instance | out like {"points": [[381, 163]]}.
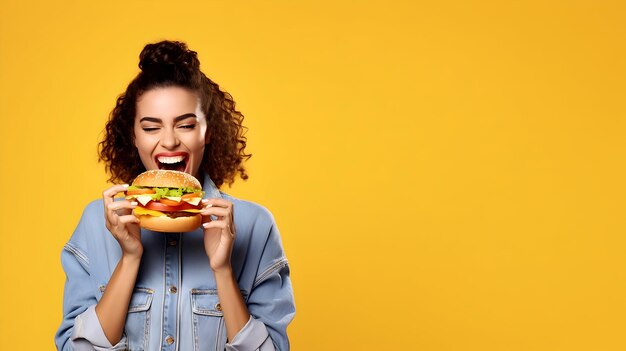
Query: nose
{"points": [[169, 139]]}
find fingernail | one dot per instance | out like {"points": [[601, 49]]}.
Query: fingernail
{"points": [[125, 186], [204, 201], [133, 203], [205, 224], [209, 205]]}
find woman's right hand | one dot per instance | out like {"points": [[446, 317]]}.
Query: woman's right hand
{"points": [[121, 222]]}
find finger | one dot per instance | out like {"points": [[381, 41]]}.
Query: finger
{"points": [[223, 227], [215, 224], [216, 202], [121, 207], [114, 190], [109, 193], [128, 219], [116, 205], [216, 211]]}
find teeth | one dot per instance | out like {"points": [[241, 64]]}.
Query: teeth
{"points": [[171, 159]]}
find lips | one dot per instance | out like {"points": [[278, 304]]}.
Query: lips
{"points": [[173, 161]]}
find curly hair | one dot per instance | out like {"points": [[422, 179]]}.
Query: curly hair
{"points": [[165, 64]]}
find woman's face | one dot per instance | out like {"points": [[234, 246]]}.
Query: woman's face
{"points": [[170, 130]]}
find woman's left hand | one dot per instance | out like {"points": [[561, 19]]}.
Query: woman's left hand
{"points": [[219, 235]]}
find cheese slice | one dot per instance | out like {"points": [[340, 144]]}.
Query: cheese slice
{"points": [[194, 200], [144, 199], [144, 211]]}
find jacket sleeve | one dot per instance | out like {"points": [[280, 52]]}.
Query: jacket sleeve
{"points": [[271, 302], [80, 329], [88, 334]]}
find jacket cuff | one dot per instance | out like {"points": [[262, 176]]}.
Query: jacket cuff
{"points": [[253, 336], [88, 334]]}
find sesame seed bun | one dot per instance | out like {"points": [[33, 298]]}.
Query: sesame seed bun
{"points": [[167, 179]]}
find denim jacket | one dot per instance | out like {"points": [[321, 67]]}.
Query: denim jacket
{"points": [[174, 305]]}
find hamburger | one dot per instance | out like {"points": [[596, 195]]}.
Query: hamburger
{"points": [[167, 201]]}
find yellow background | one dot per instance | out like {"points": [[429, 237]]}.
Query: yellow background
{"points": [[446, 175]]}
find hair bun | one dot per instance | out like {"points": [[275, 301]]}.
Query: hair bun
{"points": [[167, 57]]}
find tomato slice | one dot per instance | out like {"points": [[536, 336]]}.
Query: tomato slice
{"points": [[169, 202], [158, 206], [192, 195], [140, 192]]}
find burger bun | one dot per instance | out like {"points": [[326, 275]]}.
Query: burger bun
{"points": [[170, 225]]}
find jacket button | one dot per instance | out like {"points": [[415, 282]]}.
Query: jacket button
{"points": [[169, 340], [173, 289], [218, 306]]}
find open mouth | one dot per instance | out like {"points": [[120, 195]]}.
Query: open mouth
{"points": [[175, 162]]}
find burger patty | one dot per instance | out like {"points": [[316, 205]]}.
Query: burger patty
{"points": [[179, 214]]}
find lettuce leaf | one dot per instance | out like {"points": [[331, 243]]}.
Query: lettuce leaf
{"points": [[162, 192]]}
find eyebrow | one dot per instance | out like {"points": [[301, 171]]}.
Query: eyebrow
{"points": [[158, 120]]}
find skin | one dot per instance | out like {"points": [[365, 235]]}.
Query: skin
{"points": [[164, 133]]}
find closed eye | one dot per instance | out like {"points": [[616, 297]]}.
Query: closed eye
{"points": [[188, 126], [149, 129]]}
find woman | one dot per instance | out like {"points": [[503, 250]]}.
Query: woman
{"points": [[223, 286]]}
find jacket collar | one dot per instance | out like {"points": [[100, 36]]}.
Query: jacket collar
{"points": [[210, 190]]}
